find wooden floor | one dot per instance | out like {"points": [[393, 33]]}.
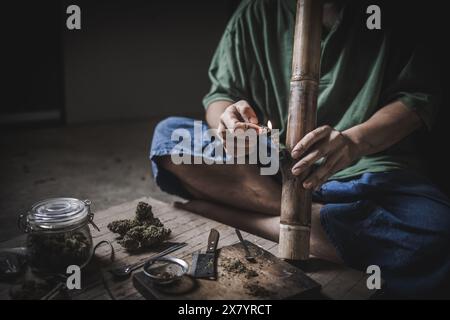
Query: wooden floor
{"points": [[338, 282]]}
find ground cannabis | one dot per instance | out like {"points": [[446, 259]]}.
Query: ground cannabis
{"points": [[237, 267], [53, 252], [144, 231], [251, 274], [256, 290], [165, 275]]}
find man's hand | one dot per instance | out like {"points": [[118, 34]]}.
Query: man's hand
{"points": [[386, 127], [337, 149], [239, 115], [236, 120]]}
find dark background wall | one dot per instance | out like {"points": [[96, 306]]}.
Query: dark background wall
{"points": [[131, 59], [140, 58], [31, 57]]}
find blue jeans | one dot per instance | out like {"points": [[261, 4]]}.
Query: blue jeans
{"points": [[396, 220]]}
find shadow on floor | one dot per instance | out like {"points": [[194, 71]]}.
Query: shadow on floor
{"points": [[106, 163]]}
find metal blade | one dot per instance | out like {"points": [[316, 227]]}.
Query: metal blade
{"points": [[194, 263], [205, 266], [248, 255]]}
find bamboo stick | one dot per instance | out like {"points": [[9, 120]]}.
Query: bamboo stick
{"points": [[295, 223]]}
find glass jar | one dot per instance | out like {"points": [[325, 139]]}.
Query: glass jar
{"points": [[58, 234]]}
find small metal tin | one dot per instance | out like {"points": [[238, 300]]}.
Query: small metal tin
{"points": [[165, 270]]}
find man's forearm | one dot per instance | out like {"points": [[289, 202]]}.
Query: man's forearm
{"points": [[385, 128], [340, 149], [214, 111]]}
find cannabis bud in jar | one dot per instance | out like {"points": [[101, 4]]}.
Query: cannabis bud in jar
{"points": [[144, 231], [58, 234], [54, 252]]}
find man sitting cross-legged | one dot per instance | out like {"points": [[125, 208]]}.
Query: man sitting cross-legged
{"points": [[373, 204]]}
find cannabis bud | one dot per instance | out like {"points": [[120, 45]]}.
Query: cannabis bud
{"points": [[144, 212], [122, 226], [54, 252], [143, 231]]}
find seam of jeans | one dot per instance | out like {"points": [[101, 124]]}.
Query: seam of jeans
{"points": [[331, 235]]}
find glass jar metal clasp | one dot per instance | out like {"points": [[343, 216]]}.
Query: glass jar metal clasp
{"points": [[88, 202], [22, 222]]}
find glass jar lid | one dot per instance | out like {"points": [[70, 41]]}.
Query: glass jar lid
{"points": [[57, 214]]}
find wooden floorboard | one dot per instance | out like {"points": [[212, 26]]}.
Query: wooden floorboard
{"points": [[338, 282]]}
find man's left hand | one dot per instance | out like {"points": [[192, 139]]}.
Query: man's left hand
{"points": [[338, 150]]}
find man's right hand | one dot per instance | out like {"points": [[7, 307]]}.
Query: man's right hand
{"points": [[233, 119], [239, 115]]}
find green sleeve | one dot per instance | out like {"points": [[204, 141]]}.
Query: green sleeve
{"points": [[227, 72], [417, 86]]}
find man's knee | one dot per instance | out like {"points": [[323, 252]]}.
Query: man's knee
{"points": [[166, 126], [162, 140]]}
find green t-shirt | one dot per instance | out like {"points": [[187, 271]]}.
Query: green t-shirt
{"points": [[362, 70]]}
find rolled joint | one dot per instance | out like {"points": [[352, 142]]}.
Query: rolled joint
{"points": [[265, 130], [294, 242]]}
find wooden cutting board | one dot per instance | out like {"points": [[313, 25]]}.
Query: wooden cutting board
{"points": [[271, 278]]}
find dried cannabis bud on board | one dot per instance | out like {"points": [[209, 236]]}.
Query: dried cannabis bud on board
{"points": [[144, 231], [122, 226], [144, 213]]}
